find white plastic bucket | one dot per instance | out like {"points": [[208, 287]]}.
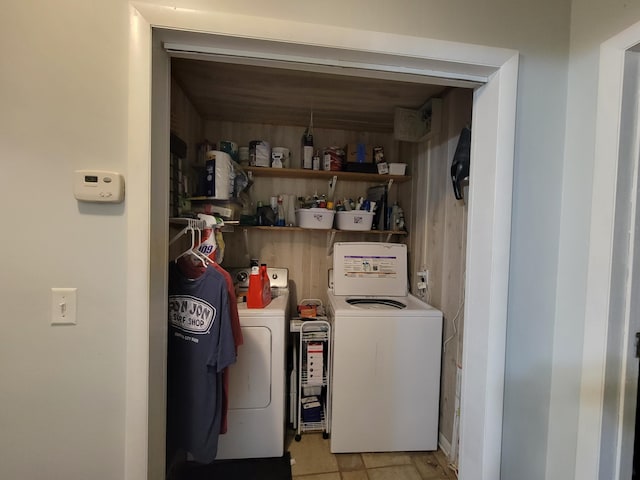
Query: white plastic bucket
{"points": [[320, 218], [354, 220]]}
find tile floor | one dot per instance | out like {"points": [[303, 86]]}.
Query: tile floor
{"points": [[312, 460]]}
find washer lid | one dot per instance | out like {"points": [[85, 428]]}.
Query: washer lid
{"points": [[370, 268]]}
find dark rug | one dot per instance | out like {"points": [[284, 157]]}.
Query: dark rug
{"points": [[278, 468]]}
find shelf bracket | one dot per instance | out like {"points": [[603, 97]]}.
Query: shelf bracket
{"points": [[245, 235], [332, 188], [331, 236]]}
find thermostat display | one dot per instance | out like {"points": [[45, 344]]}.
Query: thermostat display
{"points": [[98, 186]]}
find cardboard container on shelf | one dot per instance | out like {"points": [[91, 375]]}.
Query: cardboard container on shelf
{"points": [[359, 153], [333, 158]]}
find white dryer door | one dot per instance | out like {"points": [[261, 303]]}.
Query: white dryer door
{"points": [[250, 376]]}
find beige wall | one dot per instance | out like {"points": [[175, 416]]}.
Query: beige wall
{"points": [[63, 92]]}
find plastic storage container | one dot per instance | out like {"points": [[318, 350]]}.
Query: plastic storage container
{"points": [[320, 218], [354, 220], [219, 175], [397, 168]]}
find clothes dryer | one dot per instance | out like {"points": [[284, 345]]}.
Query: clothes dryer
{"points": [[257, 386]]}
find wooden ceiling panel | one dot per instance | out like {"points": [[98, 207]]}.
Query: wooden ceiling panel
{"points": [[244, 93]]}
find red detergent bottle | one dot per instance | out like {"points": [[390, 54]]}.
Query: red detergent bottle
{"points": [[254, 294]]}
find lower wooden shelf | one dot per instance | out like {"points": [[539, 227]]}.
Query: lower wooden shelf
{"points": [[328, 230]]}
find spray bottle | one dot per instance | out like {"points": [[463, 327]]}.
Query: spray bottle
{"points": [[208, 246], [306, 154]]}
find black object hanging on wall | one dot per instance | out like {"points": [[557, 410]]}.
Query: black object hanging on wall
{"points": [[460, 164]]}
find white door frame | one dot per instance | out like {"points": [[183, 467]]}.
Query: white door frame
{"points": [[489, 218], [593, 398]]}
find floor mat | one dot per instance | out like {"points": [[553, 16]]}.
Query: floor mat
{"points": [[278, 468]]}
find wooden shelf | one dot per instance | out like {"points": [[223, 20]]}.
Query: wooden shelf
{"points": [[328, 230], [315, 174]]}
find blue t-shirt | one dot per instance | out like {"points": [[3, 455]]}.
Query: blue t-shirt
{"points": [[200, 346]]}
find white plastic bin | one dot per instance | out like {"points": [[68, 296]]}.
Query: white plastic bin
{"points": [[397, 168], [320, 218], [354, 220]]}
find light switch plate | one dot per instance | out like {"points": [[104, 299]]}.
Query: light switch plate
{"points": [[63, 306]]}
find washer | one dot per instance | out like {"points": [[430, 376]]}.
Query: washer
{"points": [[386, 354], [257, 387]]}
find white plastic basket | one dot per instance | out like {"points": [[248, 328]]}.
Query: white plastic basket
{"points": [[354, 220], [320, 218]]}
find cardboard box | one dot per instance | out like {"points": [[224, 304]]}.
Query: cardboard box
{"points": [[359, 152], [315, 363], [259, 153]]}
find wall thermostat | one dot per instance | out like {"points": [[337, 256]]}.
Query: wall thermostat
{"points": [[98, 186]]}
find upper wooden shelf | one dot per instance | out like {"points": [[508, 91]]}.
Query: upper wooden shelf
{"points": [[315, 174]]}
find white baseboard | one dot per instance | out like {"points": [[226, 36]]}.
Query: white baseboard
{"points": [[444, 444]]}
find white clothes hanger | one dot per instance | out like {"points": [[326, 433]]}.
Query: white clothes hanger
{"points": [[191, 223], [192, 228], [206, 260]]}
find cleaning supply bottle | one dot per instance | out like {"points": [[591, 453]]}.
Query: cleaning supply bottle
{"points": [[266, 285], [254, 294], [393, 222], [209, 246], [280, 213], [306, 153]]}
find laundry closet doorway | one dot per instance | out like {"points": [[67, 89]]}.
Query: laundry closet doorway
{"points": [[489, 197]]}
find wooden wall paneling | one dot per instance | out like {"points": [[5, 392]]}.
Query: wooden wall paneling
{"points": [[302, 252], [457, 114], [436, 222], [185, 121], [414, 202]]}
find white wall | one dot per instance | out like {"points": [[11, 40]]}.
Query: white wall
{"points": [[63, 92], [64, 101], [592, 22]]}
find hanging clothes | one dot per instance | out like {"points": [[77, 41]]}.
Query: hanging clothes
{"points": [[194, 270], [200, 346]]}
